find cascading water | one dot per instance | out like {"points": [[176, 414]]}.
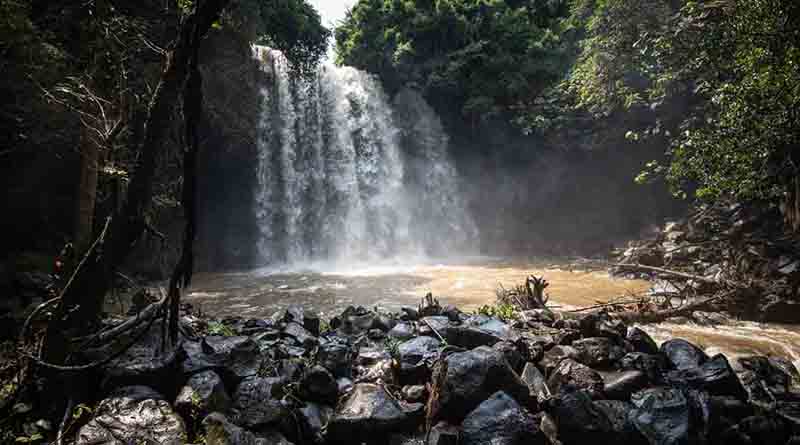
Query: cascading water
{"points": [[346, 177]]}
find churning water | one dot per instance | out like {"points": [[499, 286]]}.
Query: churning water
{"points": [[345, 176]]}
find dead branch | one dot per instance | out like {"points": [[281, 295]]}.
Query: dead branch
{"points": [[663, 315], [660, 270]]}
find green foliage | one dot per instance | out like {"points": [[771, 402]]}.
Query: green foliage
{"points": [[503, 311], [489, 57], [218, 328]]}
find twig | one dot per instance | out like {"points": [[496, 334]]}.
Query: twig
{"points": [[603, 305], [660, 270], [434, 330]]}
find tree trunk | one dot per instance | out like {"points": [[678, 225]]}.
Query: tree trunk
{"points": [[87, 192]]}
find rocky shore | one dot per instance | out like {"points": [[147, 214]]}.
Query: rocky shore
{"points": [[434, 375]]}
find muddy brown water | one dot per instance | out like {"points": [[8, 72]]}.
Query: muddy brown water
{"points": [[468, 284]]}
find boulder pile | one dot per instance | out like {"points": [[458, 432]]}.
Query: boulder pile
{"points": [[439, 376]]}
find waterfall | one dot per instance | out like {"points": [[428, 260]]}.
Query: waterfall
{"points": [[346, 176]]}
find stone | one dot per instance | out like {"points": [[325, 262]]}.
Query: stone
{"points": [[344, 384], [133, 414], [145, 363], [757, 430], [414, 393], [301, 335], [203, 393], [479, 330], [621, 385], [641, 341], [365, 414], [619, 414], [570, 373], [500, 420], [409, 314], [309, 320], [417, 349], [444, 433], [714, 376], [255, 403], [577, 419], [597, 351], [402, 331], [237, 357], [472, 376], [768, 375], [220, 431], [533, 378], [681, 354], [319, 385], [313, 418], [555, 355], [651, 365], [662, 415], [511, 354], [432, 325], [336, 358]]}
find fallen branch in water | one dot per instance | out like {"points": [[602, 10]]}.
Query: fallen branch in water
{"points": [[663, 315], [674, 273]]}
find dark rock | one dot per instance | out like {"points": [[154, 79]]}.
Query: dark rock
{"points": [[290, 369], [453, 314], [370, 356], [220, 431], [662, 416], [767, 374], [532, 347], [479, 330], [203, 393], [714, 376], [473, 376], [578, 420], [681, 354], [133, 414], [145, 363], [511, 353], [619, 414], [434, 326], [313, 418], [402, 331], [415, 350], [409, 314], [238, 357], [414, 393], [310, 321], [500, 420], [336, 358], [301, 335], [319, 385], [444, 433], [641, 341], [367, 413], [384, 323], [600, 325], [597, 351], [553, 357], [620, 385], [651, 365], [535, 381], [778, 310], [757, 430], [570, 373], [255, 403], [565, 337]]}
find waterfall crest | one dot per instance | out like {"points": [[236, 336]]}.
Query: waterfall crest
{"points": [[345, 176]]}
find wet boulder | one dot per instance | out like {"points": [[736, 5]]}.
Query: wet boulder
{"points": [[236, 357], [641, 341], [577, 419], [309, 320], [681, 354], [148, 362], [434, 326], [203, 393], [255, 402], [319, 385], [662, 415], [555, 355], [765, 374], [301, 335], [757, 430], [714, 376], [472, 376], [133, 414], [619, 413], [601, 325], [500, 420], [533, 378], [621, 385], [444, 433], [570, 373], [413, 351], [402, 331], [335, 357], [479, 330], [367, 413], [598, 351], [313, 418], [220, 431], [651, 365], [511, 353]]}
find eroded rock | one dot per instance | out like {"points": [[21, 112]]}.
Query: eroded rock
{"points": [[366, 413], [500, 420]]}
